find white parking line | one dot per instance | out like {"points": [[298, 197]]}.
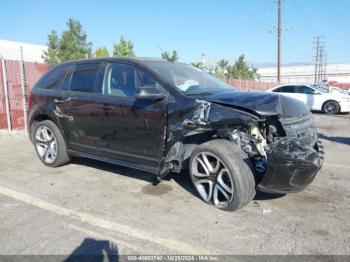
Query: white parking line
{"points": [[172, 244]]}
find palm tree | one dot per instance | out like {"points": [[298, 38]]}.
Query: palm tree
{"points": [[223, 64]]}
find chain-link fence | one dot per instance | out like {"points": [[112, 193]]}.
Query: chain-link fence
{"points": [[13, 84], [251, 85]]}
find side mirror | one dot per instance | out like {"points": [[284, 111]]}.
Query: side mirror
{"points": [[149, 93]]}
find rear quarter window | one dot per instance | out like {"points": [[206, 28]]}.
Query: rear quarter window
{"points": [[54, 77]]}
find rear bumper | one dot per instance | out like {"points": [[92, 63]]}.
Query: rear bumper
{"points": [[291, 167]]}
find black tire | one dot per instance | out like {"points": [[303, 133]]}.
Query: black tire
{"points": [[239, 167], [62, 157], [331, 107]]}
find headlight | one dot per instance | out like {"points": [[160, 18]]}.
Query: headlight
{"points": [[345, 99]]}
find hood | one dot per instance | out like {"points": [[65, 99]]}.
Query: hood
{"points": [[262, 103]]}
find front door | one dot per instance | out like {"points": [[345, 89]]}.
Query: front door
{"points": [[129, 129]]}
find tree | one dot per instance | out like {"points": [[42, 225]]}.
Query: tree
{"points": [[72, 44], [51, 54], [223, 69], [101, 52], [223, 64], [241, 70], [197, 64], [124, 48], [171, 57]]}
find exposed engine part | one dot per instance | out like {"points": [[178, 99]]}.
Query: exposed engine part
{"points": [[272, 132], [260, 141], [260, 165], [200, 116]]}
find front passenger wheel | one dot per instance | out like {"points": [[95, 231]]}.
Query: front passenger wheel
{"points": [[49, 144], [222, 174]]}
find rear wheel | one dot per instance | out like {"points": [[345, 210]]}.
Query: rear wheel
{"points": [[222, 175], [331, 107], [49, 144]]}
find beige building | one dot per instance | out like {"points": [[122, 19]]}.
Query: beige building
{"points": [[10, 50], [306, 73]]}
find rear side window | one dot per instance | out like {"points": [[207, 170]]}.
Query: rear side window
{"points": [[54, 77], [87, 78], [289, 89]]}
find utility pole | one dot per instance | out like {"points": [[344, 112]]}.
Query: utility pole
{"points": [[317, 57], [320, 60], [320, 68], [325, 68], [279, 36]]}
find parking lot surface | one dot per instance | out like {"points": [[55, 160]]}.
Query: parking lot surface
{"points": [[90, 207]]}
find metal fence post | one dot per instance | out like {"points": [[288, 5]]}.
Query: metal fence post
{"points": [[24, 90], [7, 101]]}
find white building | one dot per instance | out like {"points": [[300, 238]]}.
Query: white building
{"points": [[306, 73], [31, 53]]}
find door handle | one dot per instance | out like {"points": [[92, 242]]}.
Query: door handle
{"points": [[106, 107], [62, 100]]}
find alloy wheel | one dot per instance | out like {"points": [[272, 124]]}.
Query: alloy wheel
{"points": [[212, 179], [46, 144], [331, 107]]}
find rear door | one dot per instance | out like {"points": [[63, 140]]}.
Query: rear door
{"points": [[291, 91], [78, 108]]}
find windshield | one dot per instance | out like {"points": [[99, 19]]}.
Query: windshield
{"points": [[320, 88], [188, 79]]}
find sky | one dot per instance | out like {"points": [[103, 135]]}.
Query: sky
{"points": [[217, 28]]}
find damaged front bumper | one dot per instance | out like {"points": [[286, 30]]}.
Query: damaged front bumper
{"points": [[291, 166]]}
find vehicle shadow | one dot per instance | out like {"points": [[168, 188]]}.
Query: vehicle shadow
{"points": [[183, 179], [266, 196], [93, 250], [337, 139], [339, 115], [117, 169]]}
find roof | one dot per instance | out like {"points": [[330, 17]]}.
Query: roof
{"points": [[113, 59]]}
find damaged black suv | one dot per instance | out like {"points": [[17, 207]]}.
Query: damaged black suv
{"points": [[163, 117]]}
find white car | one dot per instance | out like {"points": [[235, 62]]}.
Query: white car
{"points": [[316, 98], [338, 90]]}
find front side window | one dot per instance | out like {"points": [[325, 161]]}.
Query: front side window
{"points": [[86, 78], [306, 90], [123, 80], [54, 77]]}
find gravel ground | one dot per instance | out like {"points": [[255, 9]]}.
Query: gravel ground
{"points": [[89, 207]]}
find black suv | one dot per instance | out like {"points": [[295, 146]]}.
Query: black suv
{"points": [[163, 117]]}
